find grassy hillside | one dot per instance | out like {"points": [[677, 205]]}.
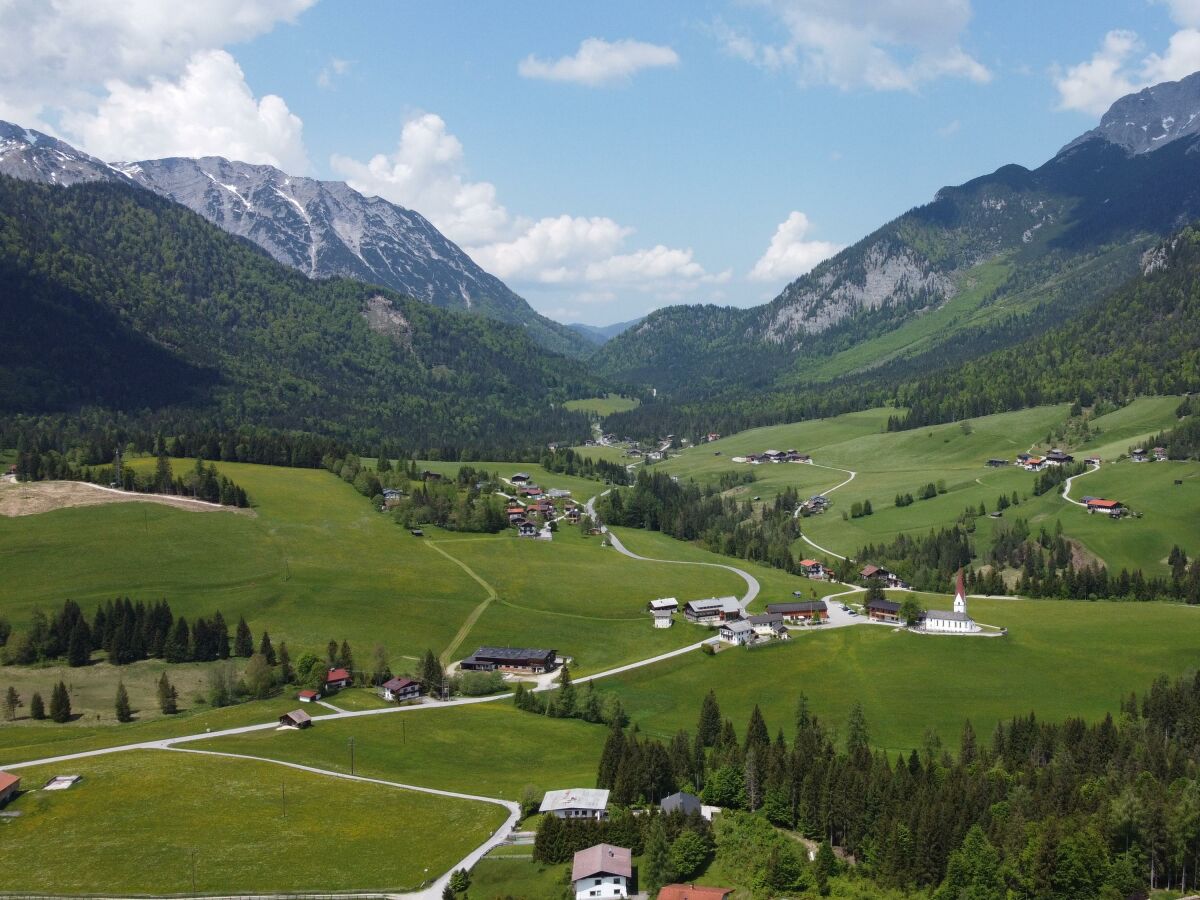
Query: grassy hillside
{"points": [[138, 822]]}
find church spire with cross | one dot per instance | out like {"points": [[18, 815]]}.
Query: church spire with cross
{"points": [[960, 594]]}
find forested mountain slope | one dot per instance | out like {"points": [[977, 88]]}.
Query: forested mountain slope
{"points": [[114, 297], [985, 265], [323, 228]]}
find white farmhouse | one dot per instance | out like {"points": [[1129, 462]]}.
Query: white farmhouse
{"points": [[576, 803], [602, 871]]}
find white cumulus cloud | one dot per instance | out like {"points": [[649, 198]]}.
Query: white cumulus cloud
{"points": [[1121, 66], [890, 45], [599, 62], [789, 255], [427, 172], [331, 71], [209, 111]]}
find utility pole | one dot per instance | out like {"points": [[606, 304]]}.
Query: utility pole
{"points": [[193, 870], [351, 756], [283, 796]]}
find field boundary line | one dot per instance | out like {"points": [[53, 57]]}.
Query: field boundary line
{"points": [[434, 891], [473, 617]]}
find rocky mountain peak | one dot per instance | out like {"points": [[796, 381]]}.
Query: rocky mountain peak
{"points": [[33, 156], [1151, 118]]}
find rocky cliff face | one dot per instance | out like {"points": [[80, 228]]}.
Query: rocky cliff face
{"points": [[1151, 118], [323, 228], [32, 156]]}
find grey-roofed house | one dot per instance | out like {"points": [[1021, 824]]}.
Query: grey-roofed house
{"points": [[511, 659], [681, 802], [712, 610], [883, 610], [576, 803], [800, 610], [737, 631], [602, 871], [768, 625]]}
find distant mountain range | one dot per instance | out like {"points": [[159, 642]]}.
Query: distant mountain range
{"points": [[983, 266], [323, 228], [600, 334]]}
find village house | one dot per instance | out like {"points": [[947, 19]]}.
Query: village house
{"points": [[516, 514], [769, 625], [1034, 464], [669, 603], [879, 573], [573, 515], [954, 621], [693, 892], [297, 718], [427, 475], [400, 689], [997, 463], [680, 802], [1160, 454], [1100, 505], [520, 478], [713, 436], [337, 678], [812, 568], [737, 631], [1139, 455], [663, 618], [712, 610], [1093, 461], [511, 659], [1057, 458], [883, 610], [9, 786], [576, 803], [800, 611], [308, 696], [527, 529], [602, 871], [529, 490]]}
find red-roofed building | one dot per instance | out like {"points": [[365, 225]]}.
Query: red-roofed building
{"points": [[308, 696], [1111, 507], [399, 689], [338, 678], [9, 785], [812, 568], [693, 892]]}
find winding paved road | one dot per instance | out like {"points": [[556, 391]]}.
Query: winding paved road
{"points": [[1066, 493], [752, 584]]}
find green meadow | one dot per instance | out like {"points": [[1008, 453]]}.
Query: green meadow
{"points": [[1059, 659], [491, 749], [143, 822], [603, 406]]}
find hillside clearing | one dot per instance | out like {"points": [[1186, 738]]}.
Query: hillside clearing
{"points": [[30, 498]]}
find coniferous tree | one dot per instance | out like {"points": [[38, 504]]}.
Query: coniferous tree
{"points": [[60, 704], [565, 701], [610, 757], [331, 653], [286, 674], [177, 649], [431, 675], [709, 726], [12, 701], [345, 657], [243, 642], [756, 732], [380, 671], [37, 709], [168, 696], [267, 651], [221, 633], [124, 713], [656, 863], [79, 645]]}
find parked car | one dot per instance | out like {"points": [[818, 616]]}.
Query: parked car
{"points": [[853, 613], [801, 594]]}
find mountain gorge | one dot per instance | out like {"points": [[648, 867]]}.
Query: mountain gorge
{"points": [[325, 229], [984, 265]]}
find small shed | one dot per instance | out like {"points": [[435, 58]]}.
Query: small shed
{"points": [[308, 696], [297, 718], [9, 785]]}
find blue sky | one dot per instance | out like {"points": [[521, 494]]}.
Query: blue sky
{"points": [[604, 159]]}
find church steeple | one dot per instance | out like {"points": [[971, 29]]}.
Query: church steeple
{"points": [[960, 594]]}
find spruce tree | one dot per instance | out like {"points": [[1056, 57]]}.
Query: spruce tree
{"points": [[431, 675], [60, 704], [566, 695], [610, 757], [267, 651], [286, 674], [168, 696], [37, 709], [331, 653], [221, 630], [243, 642], [709, 726], [345, 657], [757, 735], [124, 713], [79, 645], [12, 700], [656, 863], [177, 648]]}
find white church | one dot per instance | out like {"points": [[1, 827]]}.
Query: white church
{"points": [[941, 621]]}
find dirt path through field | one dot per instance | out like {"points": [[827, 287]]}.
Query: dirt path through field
{"points": [[29, 498]]}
